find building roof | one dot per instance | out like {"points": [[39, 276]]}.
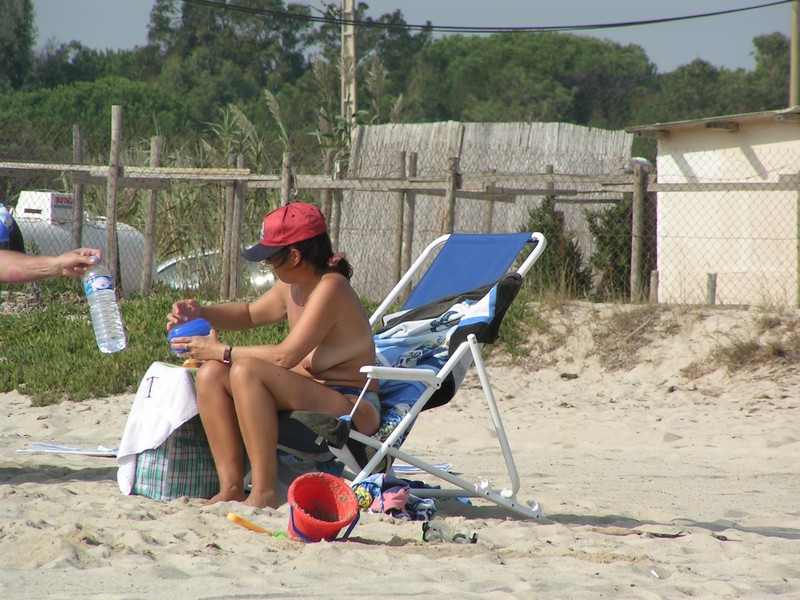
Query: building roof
{"points": [[725, 122]]}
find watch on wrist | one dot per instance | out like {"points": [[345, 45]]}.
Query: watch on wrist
{"points": [[226, 355]]}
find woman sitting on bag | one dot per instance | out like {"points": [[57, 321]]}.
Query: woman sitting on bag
{"points": [[241, 389]]}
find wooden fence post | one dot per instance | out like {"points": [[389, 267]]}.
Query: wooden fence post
{"points": [[236, 232], [286, 179], [77, 200], [654, 286], [327, 194], [408, 215], [227, 234], [637, 226], [488, 216], [111, 252], [399, 209], [156, 145], [450, 194], [711, 289], [335, 224]]}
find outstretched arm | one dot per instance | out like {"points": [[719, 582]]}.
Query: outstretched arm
{"points": [[23, 268]]}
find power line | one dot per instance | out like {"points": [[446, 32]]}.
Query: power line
{"points": [[466, 29]]}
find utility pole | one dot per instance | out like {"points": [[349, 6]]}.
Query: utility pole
{"points": [[794, 56], [348, 60]]}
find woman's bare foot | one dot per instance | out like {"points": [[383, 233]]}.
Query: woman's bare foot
{"points": [[229, 494], [262, 500]]}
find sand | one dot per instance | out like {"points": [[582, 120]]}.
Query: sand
{"points": [[661, 474]]}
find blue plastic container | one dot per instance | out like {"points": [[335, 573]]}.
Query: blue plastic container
{"points": [[189, 329]]}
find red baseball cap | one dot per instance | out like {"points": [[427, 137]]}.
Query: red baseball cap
{"points": [[285, 226]]}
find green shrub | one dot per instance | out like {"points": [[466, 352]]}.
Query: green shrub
{"points": [[611, 229], [560, 269]]}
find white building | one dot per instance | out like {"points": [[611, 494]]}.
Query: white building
{"points": [[728, 208]]}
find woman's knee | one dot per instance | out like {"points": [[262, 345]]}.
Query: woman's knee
{"points": [[368, 417], [210, 373], [249, 369]]}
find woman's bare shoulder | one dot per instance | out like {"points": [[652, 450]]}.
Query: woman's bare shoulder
{"points": [[336, 283]]}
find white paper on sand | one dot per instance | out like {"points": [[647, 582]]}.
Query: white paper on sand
{"points": [[102, 451]]}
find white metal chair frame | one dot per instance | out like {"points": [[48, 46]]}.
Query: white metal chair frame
{"points": [[467, 351]]}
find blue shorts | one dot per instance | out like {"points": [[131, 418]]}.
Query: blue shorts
{"points": [[371, 397]]}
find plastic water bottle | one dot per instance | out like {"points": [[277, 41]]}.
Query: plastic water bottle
{"points": [[103, 307], [6, 225]]}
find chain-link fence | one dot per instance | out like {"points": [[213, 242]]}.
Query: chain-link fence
{"points": [[706, 226]]}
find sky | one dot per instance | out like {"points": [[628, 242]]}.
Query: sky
{"points": [[724, 41]]}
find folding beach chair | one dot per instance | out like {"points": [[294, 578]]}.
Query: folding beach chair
{"points": [[464, 285]]}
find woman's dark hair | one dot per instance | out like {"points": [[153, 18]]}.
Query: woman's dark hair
{"points": [[319, 252]]}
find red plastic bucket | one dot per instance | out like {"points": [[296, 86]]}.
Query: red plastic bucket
{"points": [[320, 506]]}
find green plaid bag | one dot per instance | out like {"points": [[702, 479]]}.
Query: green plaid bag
{"points": [[181, 466]]}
